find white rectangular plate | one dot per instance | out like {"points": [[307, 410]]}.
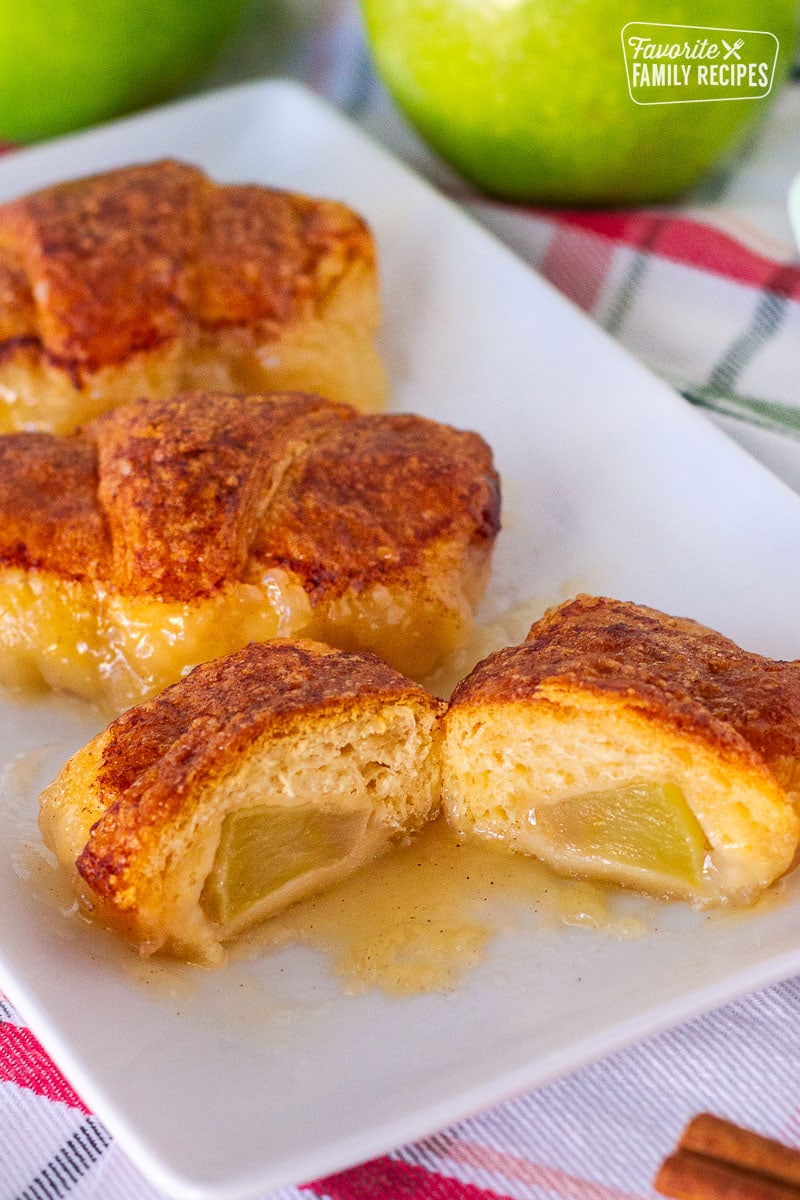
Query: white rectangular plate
{"points": [[224, 1083]]}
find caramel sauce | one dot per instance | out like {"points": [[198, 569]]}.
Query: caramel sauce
{"points": [[415, 921], [34, 863], [420, 917], [30, 860], [19, 775]]}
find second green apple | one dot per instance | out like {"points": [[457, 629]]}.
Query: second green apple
{"points": [[529, 99]]}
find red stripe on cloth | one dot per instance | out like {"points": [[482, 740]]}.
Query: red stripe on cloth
{"points": [[390, 1179], [689, 242], [577, 265], [24, 1062], [520, 1170]]}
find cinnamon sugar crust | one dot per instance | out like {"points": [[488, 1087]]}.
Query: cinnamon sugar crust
{"points": [[263, 685], [107, 259], [184, 483], [174, 498], [50, 517], [671, 668], [152, 277], [375, 499], [264, 255]]}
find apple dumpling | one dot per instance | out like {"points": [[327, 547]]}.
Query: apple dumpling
{"points": [[152, 279], [168, 532]]}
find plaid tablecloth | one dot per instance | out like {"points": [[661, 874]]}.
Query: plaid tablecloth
{"points": [[707, 295]]}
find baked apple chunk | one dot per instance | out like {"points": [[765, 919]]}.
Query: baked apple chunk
{"points": [[169, 532], [623, 744], [262, 777]]}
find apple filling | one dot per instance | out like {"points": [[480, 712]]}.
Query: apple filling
{"points": [[264, 848], [118, 650], [646, 828]]}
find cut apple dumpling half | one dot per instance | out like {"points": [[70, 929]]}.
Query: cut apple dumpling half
{"points": [[262, 777], [619, 743], [168, 532]]}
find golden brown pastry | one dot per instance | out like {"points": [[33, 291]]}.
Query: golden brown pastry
{"points": [[621, 743], [258, 779], [151, 279], [170, 531]]}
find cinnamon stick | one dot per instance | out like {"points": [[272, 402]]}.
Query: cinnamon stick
{"points": [[689, 1176], [717, 1160], [716, 1138]]}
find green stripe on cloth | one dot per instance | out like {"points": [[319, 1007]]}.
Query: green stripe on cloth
{"points": [[631, 285], [766, 414]]}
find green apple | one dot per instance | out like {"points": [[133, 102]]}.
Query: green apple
{"points": [[68, 63], [530, 98]]}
